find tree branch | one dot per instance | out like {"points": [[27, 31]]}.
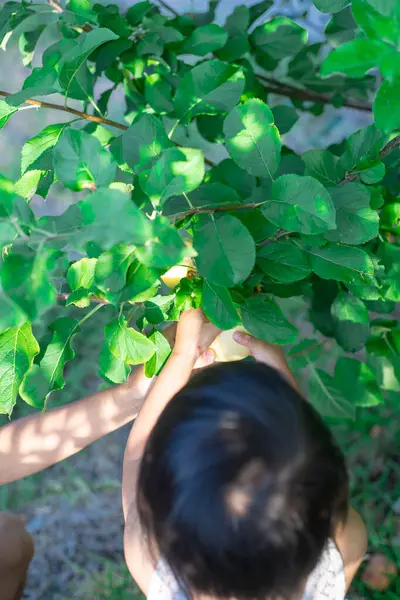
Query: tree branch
{"points": [[387, 149], [83, 115], [56, 5], [290, 91], [211, 209], [167, 7], [71, 111], [61, 297]]}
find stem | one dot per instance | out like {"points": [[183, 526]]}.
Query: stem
{"points": [[211, 210], [90, 314], [71, 111], [387, 149], [56, 5], [61, 296], [291, 91], [168, 7]]}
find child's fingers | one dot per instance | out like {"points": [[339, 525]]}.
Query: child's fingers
{"points": [[244, 339], [206, 359]]}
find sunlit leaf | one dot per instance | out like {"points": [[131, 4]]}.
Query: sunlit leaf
{"points": [[127, 344]]}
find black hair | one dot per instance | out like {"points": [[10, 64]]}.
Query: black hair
{"points": [[241, 484]]}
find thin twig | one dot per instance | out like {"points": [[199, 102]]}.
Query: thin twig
{"points": [[63, 297], [71, 111], [168, 7], [214, 209], [291, 91], [387, 149], [56, 5]]}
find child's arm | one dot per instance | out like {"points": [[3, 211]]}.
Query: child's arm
{"points": [[35, 442]]}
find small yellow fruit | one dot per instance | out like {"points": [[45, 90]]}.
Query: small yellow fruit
{"points": [[172, 277], [226, 349]]}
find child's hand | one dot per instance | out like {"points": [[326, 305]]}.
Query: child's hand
{"points": [[194, 335], [268, 354]]}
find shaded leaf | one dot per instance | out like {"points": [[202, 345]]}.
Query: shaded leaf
{"points": [[204, 40], [351, 322], [285, 117], [144, 142], [324, 166], [356, 222], [343, 263], [284, 261], [218, 306], [279, 37], [330, 6], [263, 318], [220, 258], [356, 380], [300, 204], [128, 224], [327, 397], [80, 161], [178, 171], [164, 248], [210, 88], [112, 266], [386, 106]]}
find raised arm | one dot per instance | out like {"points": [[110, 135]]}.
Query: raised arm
{"points": [[43, 439]]}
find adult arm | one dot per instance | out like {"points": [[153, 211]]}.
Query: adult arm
{"points": [[33, 443]]}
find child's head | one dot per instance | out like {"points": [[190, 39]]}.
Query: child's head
{"points": [[241, 484]]}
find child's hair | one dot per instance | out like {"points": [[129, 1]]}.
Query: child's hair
{"points": [[241, 484]]}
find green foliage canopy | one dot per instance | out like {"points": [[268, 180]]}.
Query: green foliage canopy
{"points": [[266, 229]]}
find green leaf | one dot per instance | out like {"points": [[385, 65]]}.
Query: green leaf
{"points": [[80, 161], [34, 148], [343, 263], [373, 173], [355, 58], [112, 369], [18, 347], [285, 117], [144, 142], [351, 322], [158, 360], [157, 92], [331, 6], [178, 171], [221, 259], [136, 12], [141, 283], [218, 306], [386, 106], [300, 204], [112, 267], [356, 380], [204, 40], [228, 173], [279, 37], [164, 248], [128, 223], [80, 277], [327, 398], [306, 351], [41, 82], [26, 279], [127, 344], [324, 166], [258, 9], [47, 377], [356, 222], [252, 139], [6, 112], [364, 144], [210, 88], [284, 262], [259, 227], [263, 318], [380, 19], [73, 59]]}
